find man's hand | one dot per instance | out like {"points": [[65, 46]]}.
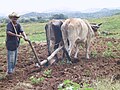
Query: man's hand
{"points": [[20, 36], [26, 39], [24, 36]]}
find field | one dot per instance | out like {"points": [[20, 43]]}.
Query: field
{"points": [[101, 72]]}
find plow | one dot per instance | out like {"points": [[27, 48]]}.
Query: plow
{"points": [[40, 63], [49, 59]]}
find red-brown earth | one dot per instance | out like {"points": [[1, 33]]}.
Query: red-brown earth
{"points": [[101, 65]]}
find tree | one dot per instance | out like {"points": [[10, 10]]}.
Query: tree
{"points": [[32, 19], [39, 18], [58, 16]]}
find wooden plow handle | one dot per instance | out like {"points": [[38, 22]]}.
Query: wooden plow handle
{"points": [[34, 52]]}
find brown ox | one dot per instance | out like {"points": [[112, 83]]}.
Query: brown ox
{"points": [[76, 31], [54, 37]]}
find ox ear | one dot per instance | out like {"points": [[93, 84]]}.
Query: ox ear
{"points": [[96, 25], [99, 24], [46, 26]]}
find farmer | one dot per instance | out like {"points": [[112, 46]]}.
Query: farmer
{"points": [[13, 34]]}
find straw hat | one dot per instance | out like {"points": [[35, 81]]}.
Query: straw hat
{"points": [[13, 14]]}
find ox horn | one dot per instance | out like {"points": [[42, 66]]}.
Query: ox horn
{"points": [[99, 24], [95, 26]]}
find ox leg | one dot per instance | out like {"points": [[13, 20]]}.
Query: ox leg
{"points": [[71, 46], [48, 46], [66, 45], [55, 47], [87, 49], [51, 46], [66, 53], [49, 52], [77, 50], [63, 54], [66, 50]]}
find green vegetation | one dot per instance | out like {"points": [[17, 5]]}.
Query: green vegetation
{"points": [[111, 25], [2, 76], [70, 85], [109, 52], [36, 32], [47, 73], [2, 34], [94, 53], [106, 84], [35, 80], [58, 16]]}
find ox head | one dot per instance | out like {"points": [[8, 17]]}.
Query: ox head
{"points": [[95, 27]]}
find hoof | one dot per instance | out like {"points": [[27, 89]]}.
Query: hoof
{"points": [[85, 58], [75, 60], [37, 65], [46, 64], [69, 62]]}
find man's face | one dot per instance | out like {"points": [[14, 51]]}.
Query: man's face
{"points": [[14, 19]]}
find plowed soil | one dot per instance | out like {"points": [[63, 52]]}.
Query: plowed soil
{"points": [[104, 63]]}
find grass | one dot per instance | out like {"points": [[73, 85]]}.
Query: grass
{"points": [[47, 73], [2, 35], [70, 85], [35, 32], [109, 24], [106, 84], [35, 80]]}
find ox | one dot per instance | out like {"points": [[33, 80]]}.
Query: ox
{"points": [[76, 31], [53, 35]]}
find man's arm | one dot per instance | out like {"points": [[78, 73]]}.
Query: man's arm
{"points": [[25, 37], [13, 34]]}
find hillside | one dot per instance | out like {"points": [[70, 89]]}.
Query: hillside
{"points": [[76, 14], [36, 14]]}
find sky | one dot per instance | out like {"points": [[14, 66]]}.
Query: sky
{"points": [[25, 6]]}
